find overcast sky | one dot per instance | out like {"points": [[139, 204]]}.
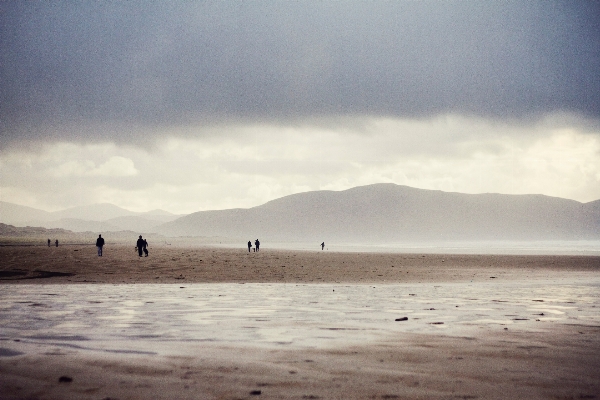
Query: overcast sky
{"points": [[189, 106]]}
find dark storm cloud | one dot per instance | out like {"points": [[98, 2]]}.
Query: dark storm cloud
{"points": [[113, 68]]}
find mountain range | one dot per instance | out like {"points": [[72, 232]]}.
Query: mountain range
{"points": [[379, 213], [103, 217], [384, 213]]}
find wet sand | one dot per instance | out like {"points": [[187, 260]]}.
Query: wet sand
{"points": [[226, 324]]}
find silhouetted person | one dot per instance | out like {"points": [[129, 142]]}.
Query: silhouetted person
{"points": [[322, 245], [249, 246], [257, 244], [140, 245], [48, 242], [99, 245], [56, 242], [145, 247]]}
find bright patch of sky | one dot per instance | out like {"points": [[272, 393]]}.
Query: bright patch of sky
{"points": [[249, 165]]}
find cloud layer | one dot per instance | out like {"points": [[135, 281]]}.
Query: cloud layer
{"points": [[247, 168], [123, 71], [190, 106]]}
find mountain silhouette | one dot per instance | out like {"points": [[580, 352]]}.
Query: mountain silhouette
{"points": [[100, 217], [389, 213]]}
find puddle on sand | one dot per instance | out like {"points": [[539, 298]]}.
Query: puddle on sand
{"points": [[157, 319]]}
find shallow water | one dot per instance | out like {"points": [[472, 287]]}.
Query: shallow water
{"points": [[530, 247], [168, 319]]}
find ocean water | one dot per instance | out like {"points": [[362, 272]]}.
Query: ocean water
{"points": [[572, 247]]}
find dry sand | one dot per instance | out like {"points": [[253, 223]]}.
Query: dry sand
{"points": [[494, 343], [172, 264]]}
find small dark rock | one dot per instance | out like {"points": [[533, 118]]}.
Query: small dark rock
{"points": [[65, 379], [255, 393], [401, 319]]}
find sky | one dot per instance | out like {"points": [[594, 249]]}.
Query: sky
{"points": [[190, 106]]}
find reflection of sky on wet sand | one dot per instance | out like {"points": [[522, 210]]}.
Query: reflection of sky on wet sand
{"points": [[168, 319]]}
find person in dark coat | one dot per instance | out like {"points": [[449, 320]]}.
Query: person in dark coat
{"points": [[56, 242], [99, 245], [140, 245], [322, 245], [48, 242], [145, 247], [257, 244], [249, 246]]}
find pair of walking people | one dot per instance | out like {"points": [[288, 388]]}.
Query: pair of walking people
{"points": [[142, 245], [256, 244]]}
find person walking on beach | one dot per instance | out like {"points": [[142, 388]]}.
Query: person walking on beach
{"points": [[140, 245], [257, 244], [145, 247], [322, 245], [56, 242], [48, 242], [99, 245], [249, 246]]}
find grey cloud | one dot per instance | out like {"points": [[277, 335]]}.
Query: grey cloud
{"points": [[111, 70]]}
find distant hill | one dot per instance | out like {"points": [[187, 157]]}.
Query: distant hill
{"points": [[93, 218], [94, 212], [10, 230], [383, 213], [79, 225], [12, 235], [15, 214]]}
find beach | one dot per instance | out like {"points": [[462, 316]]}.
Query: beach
{"points": [[174, 264], [222, 323]]}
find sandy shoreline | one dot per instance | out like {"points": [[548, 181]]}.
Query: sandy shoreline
{"points": [[166, 264], [305, 325]]}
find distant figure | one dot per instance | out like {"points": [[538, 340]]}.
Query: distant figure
{"points": [[56, 242], [48, 242], [140, 245], [249, 246], [99, 244], [322, 245], [257, 244], [145, 247]]}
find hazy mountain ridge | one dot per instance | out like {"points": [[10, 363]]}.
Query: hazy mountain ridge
{"points": [[100, 217], [379, 213], [389, 212]]}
